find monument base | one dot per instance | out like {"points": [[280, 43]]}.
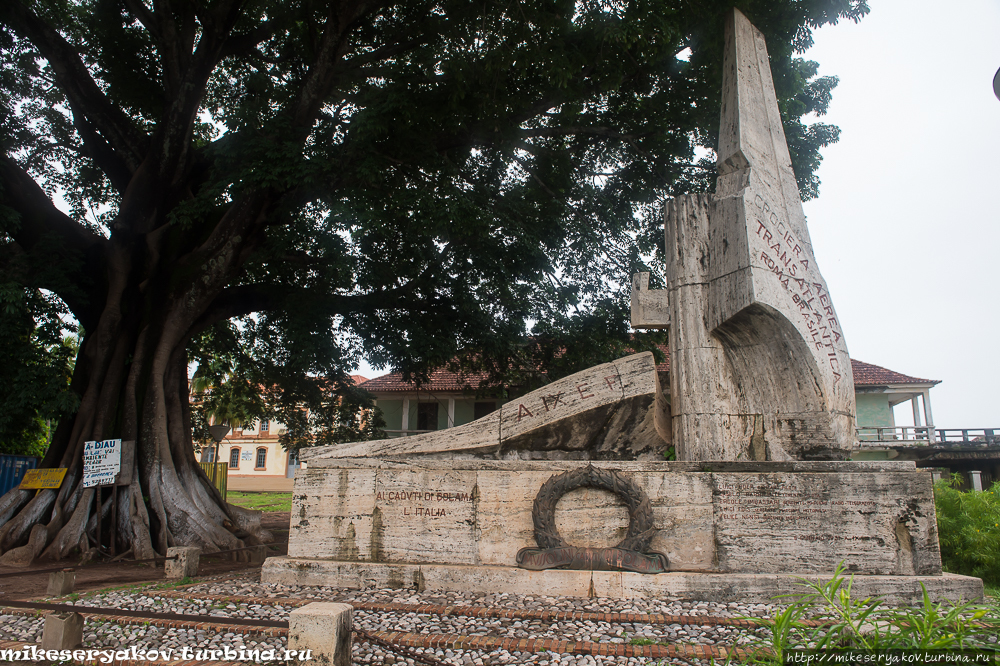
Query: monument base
{"points": [[720, 588], [721, 530]]}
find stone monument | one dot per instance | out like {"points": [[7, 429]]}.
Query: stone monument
{"points": [[759, 367], [565, 490]]}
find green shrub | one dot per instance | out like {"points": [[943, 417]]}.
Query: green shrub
{"points": [[969, 530], [868, 624]]}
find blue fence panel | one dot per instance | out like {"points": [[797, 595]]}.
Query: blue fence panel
{"points": [[12, 469]]}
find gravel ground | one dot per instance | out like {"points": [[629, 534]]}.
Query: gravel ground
{"points": [[248, 587], [99, 634], [103, 635]]}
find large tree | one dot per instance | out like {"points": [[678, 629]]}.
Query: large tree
{"points": [[320, 176]]}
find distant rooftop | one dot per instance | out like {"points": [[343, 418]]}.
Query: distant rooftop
{"points": [[865, 374], [438, 380]]}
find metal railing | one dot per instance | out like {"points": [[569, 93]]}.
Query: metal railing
{"points": [[218, 474], [968, 435], [898, 435], [927, 435]]}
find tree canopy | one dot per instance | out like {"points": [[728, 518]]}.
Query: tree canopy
{"points": [[324, 179], [36, 359]]}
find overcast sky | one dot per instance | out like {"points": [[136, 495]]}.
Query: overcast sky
{"points": [[905, 228], [906, 225]]}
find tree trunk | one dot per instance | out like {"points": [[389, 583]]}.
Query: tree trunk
{"points": [[131, 376]]}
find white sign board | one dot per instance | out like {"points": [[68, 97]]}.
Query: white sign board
{"points": [[101, 462]]}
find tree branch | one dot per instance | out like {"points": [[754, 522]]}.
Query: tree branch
{"points": [[75, 80], [174, 55], [260, 297], [39, 217], [97, 149], [324, 70], [244, 44], [40, 224], [189, 69], [380, 53], [145, 17]]}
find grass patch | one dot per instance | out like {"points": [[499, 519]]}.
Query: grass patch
{"points": [[642, 640], [261, 501], [175, 583]]}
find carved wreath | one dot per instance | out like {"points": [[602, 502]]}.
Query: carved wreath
{"points": [[635, 544]]}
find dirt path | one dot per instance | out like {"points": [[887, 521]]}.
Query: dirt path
{"points": [[99, 575]]}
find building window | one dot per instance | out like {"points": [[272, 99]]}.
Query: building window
{"points": [[261, 458], [265, 425], [481, 409], [208, 454], [234, 458], [427, 416]]}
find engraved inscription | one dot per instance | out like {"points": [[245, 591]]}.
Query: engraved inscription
{"points": [[784, 256], [554, 402], [421, 503], [773, 501]]}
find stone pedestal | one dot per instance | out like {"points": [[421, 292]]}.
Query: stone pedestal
{"points": [[258, 555], [186, 564], [320, 633], [394, 521], [720, 588], [62, 631], [61, 583]]}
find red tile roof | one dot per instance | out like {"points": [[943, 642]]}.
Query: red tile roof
{"points": [[438, 380], [865, 374]]}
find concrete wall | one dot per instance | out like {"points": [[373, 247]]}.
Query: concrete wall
{"points": [[874, 410], [392, 412], [464, 411], [276, 459]]}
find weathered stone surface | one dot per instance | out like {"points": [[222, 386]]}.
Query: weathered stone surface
{"points": [[650, 308], [62, 631], [611, 411], [742, 588], [759, 366], [186, 564], [61, 583], [321, 630], [712, 517]]}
